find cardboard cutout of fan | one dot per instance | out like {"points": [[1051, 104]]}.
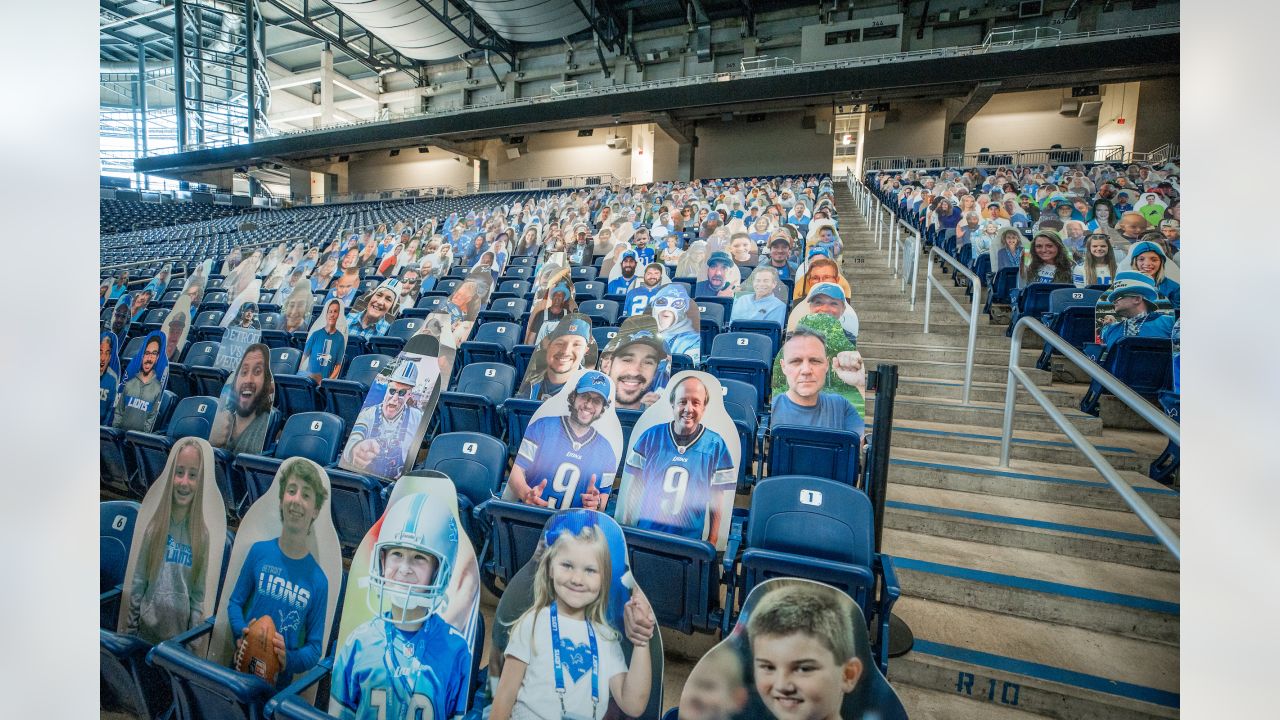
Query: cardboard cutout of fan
{"points": [[410, 614], [286, 565], [569, 453], [171, 579], [142, 387], [681, 469], [637, 362], [785, 621], [567, 348], [604, 635], [678, 319], [108, 374], [761, 297], [244, 405], [176, 326], [819, 378], [326, 344], [553, 303], [386, 436]]}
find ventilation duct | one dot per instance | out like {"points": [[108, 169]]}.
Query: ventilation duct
{"points": [[406, 26], [531, 20]]}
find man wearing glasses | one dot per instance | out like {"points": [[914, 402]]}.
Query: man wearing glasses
{"points": [[381, 437]]}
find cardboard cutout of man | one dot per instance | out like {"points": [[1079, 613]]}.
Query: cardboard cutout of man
{"points": [[758, 298], [637, 362], [678, 321], [138, 403], [323, 353], [806, 403], [565, 350], [244, 406], [384, 431], [108, 374], [176, 325], [721, 277], [641, 292]]}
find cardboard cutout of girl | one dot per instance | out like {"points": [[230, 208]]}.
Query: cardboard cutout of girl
{"points": [[286, 564], [108, 374], [172, 576], [565, 651], [244, 405], [567, 348], [569, 453], [326, 344], [785, 621], [681, 470], [176, 325], [138, 402], [411, 611], [386, 435]]}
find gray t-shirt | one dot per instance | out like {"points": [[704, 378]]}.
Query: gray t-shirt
{"points": [[832, 413]]}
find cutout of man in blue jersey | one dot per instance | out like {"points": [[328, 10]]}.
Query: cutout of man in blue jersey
{"points": [[407, 661], [677, 473], [559, 452], [380, 438]]}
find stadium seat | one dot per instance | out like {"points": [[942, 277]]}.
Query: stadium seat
{"points": [[517, 412], [517, 287], [356, 502], [131, 349], [603, 313], [602, 335], [767, 328], [521, 356], [316, 436], [116, 519], [284, 361], [707, 313], [345, 396], [514, 532], [742, 403], [798, 449], [587, 290], [583, 272], [517, 272], [1072, 316], [118, 465], [474, 403], [742, 356], [821, 530], [1144, 364], [493, 343], [476, 464], [687, 573], [448, 285], [1003, 284], [432, 303], [397, 335], [509, 309], [1033, 301], [628, 419]]}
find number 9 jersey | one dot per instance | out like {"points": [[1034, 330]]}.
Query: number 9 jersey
{"points": [[676, 483], [549, 452]]}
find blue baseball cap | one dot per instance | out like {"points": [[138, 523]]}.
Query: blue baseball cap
{"points": [[572, 326], [719, 257], [629, 254], [828, 289], [594, 381]]}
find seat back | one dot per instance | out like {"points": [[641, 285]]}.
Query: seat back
{"points": [[356, 503], [131, 349], [710, 313], [830, 454], [513, 306], [602, 335], [404, 328], [270, 320], [504, 334], [1005, 280], [581, 272], [473, 461], [316, 436], [519, 288], [602, 312], [494, 381], [742, 346], [1034, 298], [432, 303], [590, 289], [1142, 363], [285, 360], [364, 368], [201, 354], [741, 399], [1063, 298], [192, 417], [116, 519]]}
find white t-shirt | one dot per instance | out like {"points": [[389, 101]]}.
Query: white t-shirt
{"points": [[537, 696]]}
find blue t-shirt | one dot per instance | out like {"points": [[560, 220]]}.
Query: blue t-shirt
{"points": [[619, 285], [547, 453], [832, 412], [637, 300], [323, 351], [1150, 325], [644, 255], [675, 487], [108, 385], [294, 593], [426, 668]]}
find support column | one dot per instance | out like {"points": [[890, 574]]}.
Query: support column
{"points": [[959, 112], [684, 161], [251, 103], [326, 86], [179, 73]]}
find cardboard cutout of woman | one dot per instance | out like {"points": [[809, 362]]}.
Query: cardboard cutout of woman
{"points": [[386, 435], [563, 651], [681, 470], [678, 320], [176, 325], [244, 405], [108, 374], [372, 314], [286, 564], [693, 261], [171, 579], [569, 453], [465, 303], [411, 611], [637, 361], [138, 402], [326, 344], [785, 622], [567, 348]]}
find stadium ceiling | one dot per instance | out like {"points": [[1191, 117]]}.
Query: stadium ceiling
{"points": [[371, 42]]}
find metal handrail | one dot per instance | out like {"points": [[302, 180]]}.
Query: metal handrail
{"points": [[972, 316], [1136, 402], [915, 248], [997, 158]]}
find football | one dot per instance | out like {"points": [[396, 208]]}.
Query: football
{"points": [[259, 656]]}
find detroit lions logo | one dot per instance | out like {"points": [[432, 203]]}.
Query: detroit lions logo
{"points": [[576, 658], [291, 621]]}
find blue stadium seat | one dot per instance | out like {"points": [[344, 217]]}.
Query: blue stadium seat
{"points": [[1003, 284], [117, 463], [602, 335], [1033, 301], [448, 285], [316, 436], [432, 303], [710, 323], [284, 361], [742, 356], [687, 573], [356, 502], [820, 530], [517, 413], [473, 405], [514, 532], [583, 272], [517, 272], [269, 320], [508, 309], [706, 311], [344, 397], [204, 690], [116, 519], [798, 449], [767, 328], [296, 393], [587, 290], [202, 377], [397, 335], [1144, 364], [517, 287], [742, 403], [521, 355], [1071, 315], [628, 419], [493, 343], [476, 464], [603, 313], [131, 349]]}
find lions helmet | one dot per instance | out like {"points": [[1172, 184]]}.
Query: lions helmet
{"points": [[417, 523]]}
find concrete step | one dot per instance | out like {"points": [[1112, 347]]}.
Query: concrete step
{"points": [[1061, 396], [988, 416], [937, 370], [1025, 480], [994, 343], [908, 322], [943, 351], [1105, 597], [1037, 447], [931, 704], [1062, 672], [1074, 531]]}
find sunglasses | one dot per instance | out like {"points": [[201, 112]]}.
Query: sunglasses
{"points": [[393, 392]]}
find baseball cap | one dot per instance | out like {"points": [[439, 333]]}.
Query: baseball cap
{"points": [[575, 325], [829, 289], [640, 336], [720, 257], [629, 254], [594, 381], [778, 240]]}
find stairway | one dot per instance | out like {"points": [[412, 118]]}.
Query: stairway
{"points": [[1032, 591]]}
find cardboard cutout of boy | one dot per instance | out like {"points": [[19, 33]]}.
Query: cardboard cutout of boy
{"points": [[681, 470], [569, 453], [286, 564], [786, 622], [411, 611], [172, 576], [575, 650], [138, 402]]}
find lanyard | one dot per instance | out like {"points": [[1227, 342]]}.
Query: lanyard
{"points": [[555, 659], [391, 652]]}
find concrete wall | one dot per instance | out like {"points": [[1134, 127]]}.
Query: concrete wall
{"points": [[910, 128], [1119, 101], [560, 153], [409, 169], [665, 155], [1025, 121], [1158, 105], [777, 144]]}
